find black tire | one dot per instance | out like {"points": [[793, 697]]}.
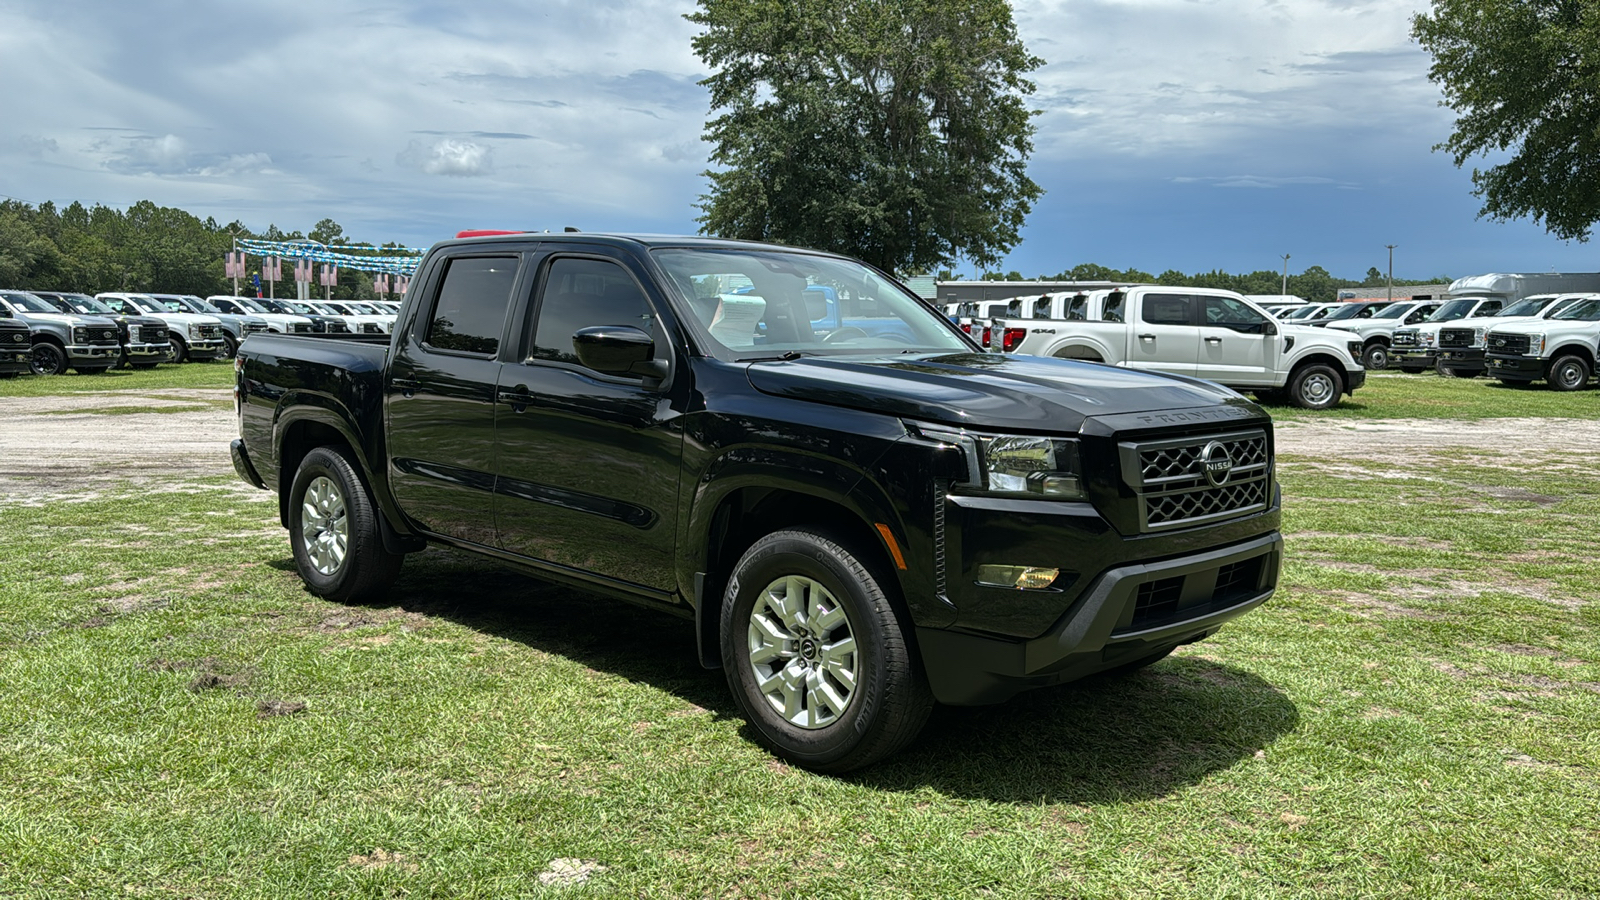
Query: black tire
{"points": [[1315, 386], [1567, 373], [364, 570], [1441, 371], [1413, 370], [1270, 396], [1375, 356], [180, 351], [888, 700], [49, 359], [230, 347]]}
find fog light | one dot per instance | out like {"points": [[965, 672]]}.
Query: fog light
{"points": [[1023, 578]]}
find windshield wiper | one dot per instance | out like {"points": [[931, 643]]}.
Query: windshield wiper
{"points": [[786, 356]]}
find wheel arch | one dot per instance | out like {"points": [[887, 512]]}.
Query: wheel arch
{"points": [[1322, 357], [1081, 349]]}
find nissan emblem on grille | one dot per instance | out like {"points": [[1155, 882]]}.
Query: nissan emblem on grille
{"points": [[1216, 462]]}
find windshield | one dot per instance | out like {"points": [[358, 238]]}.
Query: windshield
{"points": [[1525, 307], [1582, 311], [249, 304], [759, 304], [1453, 310], [1353, 311], [198, 305], [88, 306], [1395, 311], [300, 308], [29, 303]]}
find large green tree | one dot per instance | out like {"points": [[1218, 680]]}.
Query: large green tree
{"points": [[1523, 76], [891, 130]]}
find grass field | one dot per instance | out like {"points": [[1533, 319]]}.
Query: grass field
{"points": [[1415, 714]]}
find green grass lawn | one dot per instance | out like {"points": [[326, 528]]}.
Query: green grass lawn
{"points": [[1415, 714], [210, 374], [1393, 395]]}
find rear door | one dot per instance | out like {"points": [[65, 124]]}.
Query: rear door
{"points": [[587, 466], [439, 394], [1164, 337], [1238, 345]]}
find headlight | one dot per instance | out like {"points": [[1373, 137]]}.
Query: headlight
{"points": [[1014, 465], [80, 335], [1536, 344], [1428, 338], [194, 332], [1478, 334]]}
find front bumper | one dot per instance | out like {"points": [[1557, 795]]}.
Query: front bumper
{"points": [[1515, 366], [148, 352], [206, 349], [93, 355], [1128, 613], [16, 361], [1463, 360], [1355, 379], [1415, 357]]}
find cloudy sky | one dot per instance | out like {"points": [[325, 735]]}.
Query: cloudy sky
{"points": [[1173, 134]]}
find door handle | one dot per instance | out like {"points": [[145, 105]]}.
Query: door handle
{"points": [[518, 397], [1147, 337], [1214, 340], [406, 386]]}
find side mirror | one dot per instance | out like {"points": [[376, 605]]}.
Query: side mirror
{"points": [[1269, 328], [618, 350]]}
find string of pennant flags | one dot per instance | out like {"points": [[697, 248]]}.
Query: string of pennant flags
{"points": [[392, 270]]}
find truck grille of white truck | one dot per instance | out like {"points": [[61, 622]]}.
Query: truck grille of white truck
{"points": [[1181, 482], [1508, 343], [1455, 337]]}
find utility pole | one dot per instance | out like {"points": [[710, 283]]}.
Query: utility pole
{"points": [[1285, 289], [1391, 270]]}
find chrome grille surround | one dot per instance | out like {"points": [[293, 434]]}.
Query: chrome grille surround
{"points": [[1508, 343], [1175, 490], [1404, 338], [255, 327]]}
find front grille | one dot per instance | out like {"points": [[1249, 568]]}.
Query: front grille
{"points": [[371, 328], [1185, 596], [211, 332], [299, 327], [255, 327], [1192, 480], [1455, 337], [1157, 600], [338, 328], [1508, 343], [1404, 339], [104, 336], [153, 334], [17, 337]]}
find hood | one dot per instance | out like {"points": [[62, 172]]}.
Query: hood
{"points": [[988, 390], [177, 318], [68, 319], [280, 318], [1520, 325]]}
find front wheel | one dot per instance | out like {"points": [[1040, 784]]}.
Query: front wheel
{"points": [[1376, 356], [49, 359], [180, 350], [334, 531], [230, 347], [1316, 386], [1568, 373], [817, 657]]}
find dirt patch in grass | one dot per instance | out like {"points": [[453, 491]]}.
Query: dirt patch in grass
{"points": [[1392, 447], [267, 709]]}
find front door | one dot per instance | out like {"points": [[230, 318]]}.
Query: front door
{"points": [[1163, 338], [1238, 345], [587, 467], [439, 394]]}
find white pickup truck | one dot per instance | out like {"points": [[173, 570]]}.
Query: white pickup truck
{"points": [[1202, 332], [1462, 343], [1561, 349], [1377, 331]]}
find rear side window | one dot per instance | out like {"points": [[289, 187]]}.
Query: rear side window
{"points": [[581, 293], [1166, 309], [472, 304], [1041, 308]]}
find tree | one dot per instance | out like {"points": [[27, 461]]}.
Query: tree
{"points": [[890, 130], [1523, 74]]}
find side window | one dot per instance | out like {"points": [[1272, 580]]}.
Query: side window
{"points": [[1488, 309], [1226, 312], [472, 304], [1115, 302], [1420, 313], [581, 293], [1041, 308], [1166, 309], [1366, 312]]}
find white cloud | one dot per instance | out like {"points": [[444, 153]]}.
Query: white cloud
{"points": [[461, 159]]}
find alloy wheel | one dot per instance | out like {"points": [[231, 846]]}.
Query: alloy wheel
{"points": [[324, 528], [802, 651]]}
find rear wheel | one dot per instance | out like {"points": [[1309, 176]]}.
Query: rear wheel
{"points": [[817, 657], [1315, 386], [1376, 356], [334, 531], [180, 350], [49, 359], [1568, 373]]}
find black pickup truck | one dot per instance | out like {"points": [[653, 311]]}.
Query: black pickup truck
{"points": [[862, 512]]}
